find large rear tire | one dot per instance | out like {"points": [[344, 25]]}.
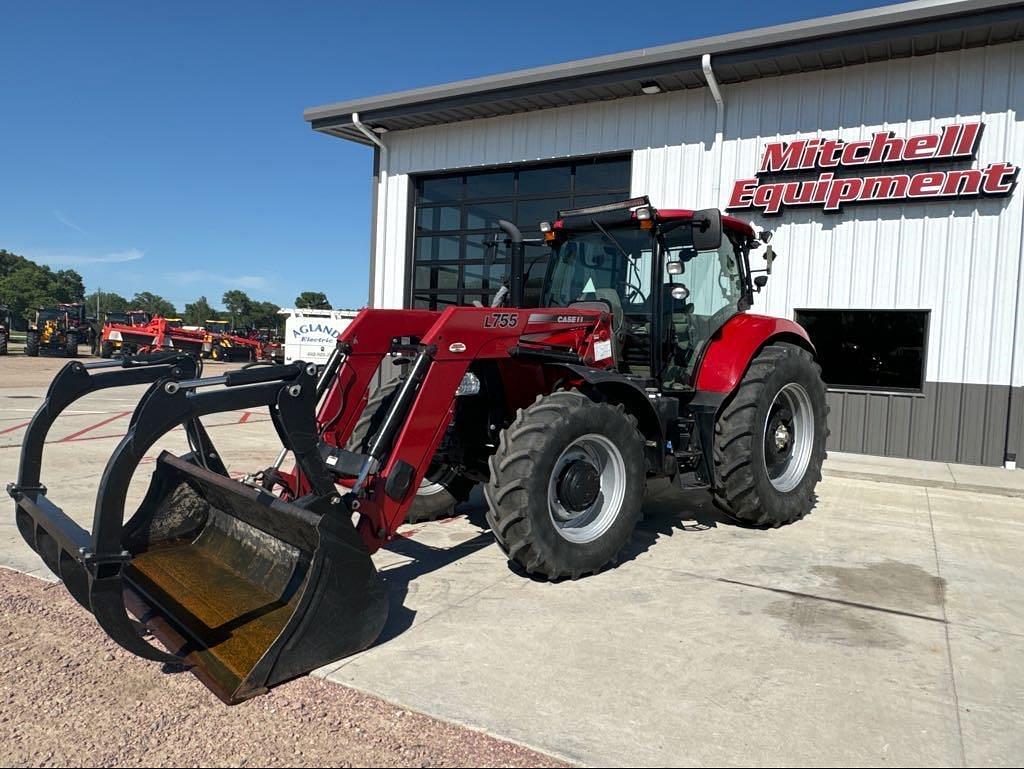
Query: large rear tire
{"points": [[71, 344], [440, 491], [567, 484], [3, 344], [32, 344], [770, 439]]}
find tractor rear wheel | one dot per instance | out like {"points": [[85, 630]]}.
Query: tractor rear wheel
{"points": [[567, 484], [440, 491], [32, 344], [770, 439], [3, 343], [71, 344]]}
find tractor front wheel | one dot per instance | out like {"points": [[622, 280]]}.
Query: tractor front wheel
{"points": [[32, 344], [71, 344], [106, 349], [441, 489], [770, 439], [566, 485]]}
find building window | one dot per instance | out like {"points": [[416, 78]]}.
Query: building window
{"points": [[456, 215], [869, 349]]}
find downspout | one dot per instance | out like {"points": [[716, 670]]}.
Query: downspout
{"points": [[1010, 458], [380, 205], [716, 93]]}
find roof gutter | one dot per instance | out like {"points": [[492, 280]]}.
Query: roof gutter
{"points": [[716, 93], [380, 212]]}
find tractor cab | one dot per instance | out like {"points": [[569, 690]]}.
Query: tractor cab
{"points": [[670, 279]]}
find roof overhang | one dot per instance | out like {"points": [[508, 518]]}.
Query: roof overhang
{"points": [[896, 31]]}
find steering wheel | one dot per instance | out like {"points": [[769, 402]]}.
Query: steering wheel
{"points": [[637, 291]]}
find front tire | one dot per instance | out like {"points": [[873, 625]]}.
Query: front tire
{"points": [[71, 344], [32, 344], [567, 484], [770, 439], [442, 488]]}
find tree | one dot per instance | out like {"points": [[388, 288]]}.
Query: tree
{"points": [[312, 300], [26, 289], [239, 307], [68, 286], [198, 312], [264, 315], [108, 302], [26, 286], [153, 304]]}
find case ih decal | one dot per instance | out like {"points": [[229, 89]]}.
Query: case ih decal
{"points": [[830, 191]]}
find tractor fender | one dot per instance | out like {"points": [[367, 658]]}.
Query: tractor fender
{"points": [[731, 349], [618, 389]]}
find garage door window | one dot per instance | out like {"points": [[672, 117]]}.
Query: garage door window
{"points": [[456, 214], [869, 349]]}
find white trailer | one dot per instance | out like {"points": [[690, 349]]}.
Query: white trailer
{"points": [[310, 335]]}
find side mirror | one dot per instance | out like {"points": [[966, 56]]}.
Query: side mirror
{"points": [[769, 257], [760, 282], [707, 229]]}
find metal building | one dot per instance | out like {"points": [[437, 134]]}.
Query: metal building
{"points": [[882, 148]]}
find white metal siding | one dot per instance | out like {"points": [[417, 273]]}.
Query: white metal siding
{"points": [[958, 259]]}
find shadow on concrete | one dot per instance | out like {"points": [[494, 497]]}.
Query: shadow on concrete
{"points": [[423, 559]]}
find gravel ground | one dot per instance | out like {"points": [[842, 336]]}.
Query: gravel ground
{"points": [[71, 697]]}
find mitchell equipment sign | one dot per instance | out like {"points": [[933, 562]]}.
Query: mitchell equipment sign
{"points": [[957, 142]]}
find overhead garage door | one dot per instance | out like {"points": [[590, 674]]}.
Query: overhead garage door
{"points": [[456, 213]]}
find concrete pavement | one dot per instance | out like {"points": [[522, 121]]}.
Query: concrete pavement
{"points": [[886, 628], [937, 475]]}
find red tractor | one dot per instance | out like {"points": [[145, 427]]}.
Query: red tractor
{"points": [[642, 362], [120, 332]]}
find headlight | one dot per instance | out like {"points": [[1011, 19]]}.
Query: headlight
{"points": [[470, 385]]}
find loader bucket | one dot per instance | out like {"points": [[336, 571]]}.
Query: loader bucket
{"points": [[246, 589], [249, 590]]}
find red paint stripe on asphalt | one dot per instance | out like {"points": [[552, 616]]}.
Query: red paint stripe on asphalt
{"points": [[93, 427], [12, 429], [245, 417]]}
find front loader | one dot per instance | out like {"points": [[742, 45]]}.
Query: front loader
{"points": [[643, 362]]}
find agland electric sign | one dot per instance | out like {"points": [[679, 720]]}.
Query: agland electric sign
{"points": [[832, 189]]}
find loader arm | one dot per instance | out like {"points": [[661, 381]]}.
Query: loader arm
{"points": [[382, 483]]}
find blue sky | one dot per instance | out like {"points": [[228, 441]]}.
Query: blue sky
{"points": [[161, 147]]}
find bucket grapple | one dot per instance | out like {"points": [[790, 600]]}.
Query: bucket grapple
{"points": [[246, 589]]}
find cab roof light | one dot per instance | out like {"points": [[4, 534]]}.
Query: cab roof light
{"points": [[631, 203]]}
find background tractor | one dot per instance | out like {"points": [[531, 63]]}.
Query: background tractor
{"points": [[112, 337], [642, 362], [5, 328], [58, 329]]}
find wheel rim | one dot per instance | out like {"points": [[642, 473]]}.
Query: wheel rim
{"points": [[788, 437], [433, 481], [586, 488]]}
